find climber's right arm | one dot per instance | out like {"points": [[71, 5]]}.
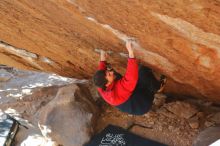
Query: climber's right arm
{"points": [[129, 80]]}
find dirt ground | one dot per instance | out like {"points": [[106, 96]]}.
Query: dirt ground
{"points": [[161, 125]]}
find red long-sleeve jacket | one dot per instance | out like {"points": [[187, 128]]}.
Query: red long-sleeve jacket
{"points": [[119, 91]]}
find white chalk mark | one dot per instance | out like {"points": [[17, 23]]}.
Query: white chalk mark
{"points": [[123, 55], [152, 58], [119, 34], [99, 51], [23, 83], [216, 143]]}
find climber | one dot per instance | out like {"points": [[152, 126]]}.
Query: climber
{"points": [[132, 93]]}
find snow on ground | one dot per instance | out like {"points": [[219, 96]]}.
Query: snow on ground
{"points": [[16, 83]]}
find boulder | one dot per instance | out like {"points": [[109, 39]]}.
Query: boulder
{"points": [[207, 136], [69, 118], [66, 36], [56, 110]]}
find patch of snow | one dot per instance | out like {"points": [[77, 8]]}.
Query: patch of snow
{"points": [[37, 140], [216, 143], [17, 116], [23, 83], [30, 136], [44, 130], [15, 95]]}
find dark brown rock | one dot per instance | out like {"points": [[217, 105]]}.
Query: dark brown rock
{"points": [[70, 117]]}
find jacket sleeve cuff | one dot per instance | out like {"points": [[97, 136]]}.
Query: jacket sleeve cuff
{"points": [[102, 65]]}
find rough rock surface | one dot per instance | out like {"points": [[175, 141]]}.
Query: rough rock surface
{"points": [[216, 118], [69, 117], [182, 109], [164, 126], [54, 105], [208, 136], [56, 110], [180, 39]]}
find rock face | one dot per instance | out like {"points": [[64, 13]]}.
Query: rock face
{"points": [[208, 137], [69, 117], [56, 110], [182, 109], [180, 39]]}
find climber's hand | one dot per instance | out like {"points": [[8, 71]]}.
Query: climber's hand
{"points": [[130, 49], [103, 55]]}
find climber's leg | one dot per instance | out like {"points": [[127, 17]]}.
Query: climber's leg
{"points": [[147, 80]]}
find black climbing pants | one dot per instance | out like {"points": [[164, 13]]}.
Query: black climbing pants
{"points": [[142, 97]]}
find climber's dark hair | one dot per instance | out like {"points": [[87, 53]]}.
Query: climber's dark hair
{"points": [[99, 79]]}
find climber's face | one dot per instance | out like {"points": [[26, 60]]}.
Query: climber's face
{"points": [[110, 76]]}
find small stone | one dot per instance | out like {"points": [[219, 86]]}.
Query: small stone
{"points": [[182, 109], [159, 99], [194, 123]]}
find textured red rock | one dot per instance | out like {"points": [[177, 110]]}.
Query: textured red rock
{"points": [[180, 39]]}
